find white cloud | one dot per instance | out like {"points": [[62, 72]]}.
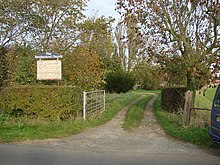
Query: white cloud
{"points": [[102, 7]]}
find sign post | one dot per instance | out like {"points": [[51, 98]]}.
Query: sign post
{"points": [[49, 69]]}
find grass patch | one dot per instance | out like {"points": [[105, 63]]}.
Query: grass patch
{"points": [[135, 114], [202, 117], [205, 101], [171, 123], [202, 102], [210, 92], [20, 129], [146, 91]]}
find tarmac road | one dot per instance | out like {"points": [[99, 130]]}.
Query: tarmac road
{"points": [[108, 145]]}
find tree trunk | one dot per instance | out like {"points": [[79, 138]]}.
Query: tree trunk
{"points": [[187, 108], [190, 82]]}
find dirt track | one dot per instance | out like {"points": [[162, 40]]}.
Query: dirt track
{"points": [[109, 144], [148, 138]]}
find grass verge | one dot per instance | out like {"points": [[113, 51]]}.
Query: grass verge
{"points": [[20, 129], [171, 123], [135, 114]]}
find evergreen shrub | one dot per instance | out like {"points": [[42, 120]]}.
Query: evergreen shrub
{"points": [[119, 81]]}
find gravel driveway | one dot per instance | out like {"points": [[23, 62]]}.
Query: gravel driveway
{"points": [[147, 138], [109, 144]]}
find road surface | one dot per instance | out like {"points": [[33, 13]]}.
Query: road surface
{"points": [[109, 144]]}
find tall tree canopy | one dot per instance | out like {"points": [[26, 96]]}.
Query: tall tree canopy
{"points": [[96, 35], [56, 23], [43, 23], [128, 44], [184, 32], [13, 20]]}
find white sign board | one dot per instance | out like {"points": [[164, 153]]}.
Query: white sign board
{"points": [[45, 55], [49, 70]]}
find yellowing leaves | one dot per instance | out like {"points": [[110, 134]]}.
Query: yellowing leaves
{"points": [[82, 68]]}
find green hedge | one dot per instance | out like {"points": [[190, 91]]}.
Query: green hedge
{"points": [[53, 103], [172, 99]]}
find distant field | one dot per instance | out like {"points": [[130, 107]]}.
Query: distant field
{"points": [[202, 101], [202, 117]]}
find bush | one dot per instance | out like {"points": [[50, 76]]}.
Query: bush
{"points": [[53, 103], [19, 66], [172, 99], [119, 81]]}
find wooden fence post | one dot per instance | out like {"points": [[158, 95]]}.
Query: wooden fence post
{"points": [[187, 109]]}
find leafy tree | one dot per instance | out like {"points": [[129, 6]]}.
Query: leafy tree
{"points": [[26, 72], [147, 76], [46, 24], [14, 20], [56, 23], [3, 69], [20, 67], [82, 68], [128, 43], [112, 64], [172, 72], [14, 26], [187, 29], [96, 34]]}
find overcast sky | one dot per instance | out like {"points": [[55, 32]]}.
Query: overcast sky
{"points": [[102, 7]]}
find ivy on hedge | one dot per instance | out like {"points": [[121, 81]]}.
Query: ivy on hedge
{"points": [[172, 99], [49, 102]]}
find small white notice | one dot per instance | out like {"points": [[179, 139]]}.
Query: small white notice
{"points": [[49, 70]]}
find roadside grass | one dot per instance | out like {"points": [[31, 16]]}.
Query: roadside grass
{"points": [[20, 129], [171, 123], [202, 117], [146, 91], [205, 101], [135, 114], [210, 92], [202, 101]]}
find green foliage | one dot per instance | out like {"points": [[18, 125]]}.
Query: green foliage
{"points": [[15, 15], [135, 114], [172, 99], [119, 81], [50, 25], [20, 66], [96, 34], [53, 103], [174, 40], [18, 129], [82, 68], [147, 76], [171, 123], [111, 64], [172, 70], [3, 66]]}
